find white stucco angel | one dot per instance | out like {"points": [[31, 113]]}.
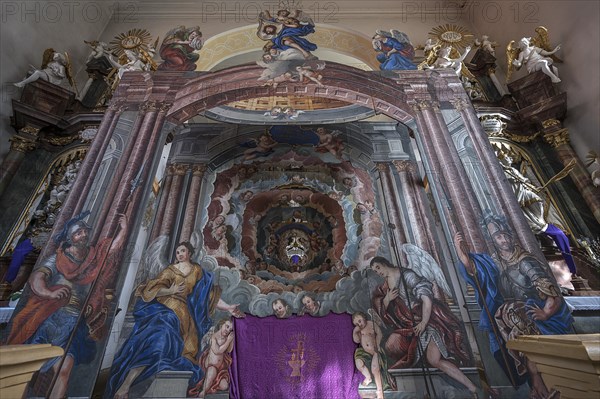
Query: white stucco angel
{"points": [[533, 53], [424, 265], [133, 63], [445, 59], [55, 69], [486, 45], [99, 50]]}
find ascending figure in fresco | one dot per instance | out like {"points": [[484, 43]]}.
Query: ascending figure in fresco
{"points": [[395, 50], [215, 360], [330, 142], [286, 31], [260, 147], [179, 49], [517, 297], [171, 316], [281, 309], [417, 324], [59, 290], [367, 358]]}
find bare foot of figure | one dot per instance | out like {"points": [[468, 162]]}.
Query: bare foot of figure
{"points": [[366, 381]]}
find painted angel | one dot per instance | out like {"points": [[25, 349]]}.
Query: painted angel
{"points": [[286, 30], [395, 50], [415, 324], [422, 262], [172, 312], [55, 69], [534, 53]]}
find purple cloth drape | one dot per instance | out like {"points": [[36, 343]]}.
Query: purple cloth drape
{"points": [[562, 242], [300, 357]]}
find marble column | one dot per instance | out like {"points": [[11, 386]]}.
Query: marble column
{"points": [[447, 170], [146, 118], [87, 172], [413, 194], [162, 204], [191, 208], [20, 144], [391, 204], [499, 187], [139, 166], [558, 138], [174, 195]]}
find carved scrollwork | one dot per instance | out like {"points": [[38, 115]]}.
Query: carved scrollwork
{"points": [[558, 138], [405, 166], [22, 144]]}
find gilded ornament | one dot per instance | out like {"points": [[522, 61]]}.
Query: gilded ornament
{"points": [[558, 138], [199, 170], [550, 123], [30, 130], [61, 141], [404, 166], [21, 144]]}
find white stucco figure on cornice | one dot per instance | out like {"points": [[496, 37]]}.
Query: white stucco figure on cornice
{"points": [[55, 69], [534, 54]]}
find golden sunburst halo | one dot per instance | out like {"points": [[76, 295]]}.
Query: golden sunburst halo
{"points": [[455, 36], [130, 40]]}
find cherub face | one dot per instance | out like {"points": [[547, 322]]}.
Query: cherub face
{"points": [[310, 304], [226, 328], [359, 321], [279, 308]]}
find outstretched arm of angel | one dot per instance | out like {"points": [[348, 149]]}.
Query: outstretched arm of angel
{"points": [[232, 309]]}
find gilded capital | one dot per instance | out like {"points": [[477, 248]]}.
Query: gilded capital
{"points": [[117, 105], [557, 138], [404, 166], [180, 169], [459, 104], [165, 107], [30, 130], [148, 106], [548, 123], [198, 170], [382, 166], [21, 144]]}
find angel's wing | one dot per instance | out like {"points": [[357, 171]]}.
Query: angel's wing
{"points": [[205, 342], [383, 33], [304, 18], [47, 57], [591, 157], [400, 36], [154, 260], [512, 53], [69, 72], [542, 40], [424, 265]]}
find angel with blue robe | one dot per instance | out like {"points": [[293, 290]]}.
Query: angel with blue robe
{"points": [[171, 315], [395, 50], [286, 31]]}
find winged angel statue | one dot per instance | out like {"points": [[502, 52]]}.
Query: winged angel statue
{"points": [[534, 53], [56, 67]]}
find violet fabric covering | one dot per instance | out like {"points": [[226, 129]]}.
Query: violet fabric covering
{"points": [[300, 357]]}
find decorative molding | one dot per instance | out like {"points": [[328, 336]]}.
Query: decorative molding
{"points": [[118, 105], [148, 106], [459, 104], [558, 138], [61, 141], [22, 144]]}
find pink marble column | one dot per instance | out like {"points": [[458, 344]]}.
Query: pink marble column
{"points": [[558, 138], [391, 204], [496, 180], [146, 117], [441, 155], [191, 207], [173, 198], [87, 172], [413, 193], [139, 166], [162, 205]]}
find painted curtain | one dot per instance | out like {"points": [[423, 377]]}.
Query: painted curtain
{"points": [[300, 357]]}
